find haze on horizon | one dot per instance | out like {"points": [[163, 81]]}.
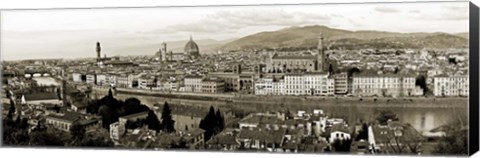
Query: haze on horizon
{"points": [[62, 33]]}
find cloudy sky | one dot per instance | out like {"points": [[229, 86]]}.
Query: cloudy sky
{"points": [[72, 33]]}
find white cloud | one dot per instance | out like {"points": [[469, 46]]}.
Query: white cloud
{"points": [[385, 9], [232, 21]]}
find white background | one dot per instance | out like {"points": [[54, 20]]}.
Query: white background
{"points": [[76, 153]]}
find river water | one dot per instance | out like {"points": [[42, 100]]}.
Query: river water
{"points": [[423, 114]]}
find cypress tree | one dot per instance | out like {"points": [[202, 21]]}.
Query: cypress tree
{"points": [[208, 124], [110, 94], [12, 109], [152, 121], [167, 124], [219, 122]]}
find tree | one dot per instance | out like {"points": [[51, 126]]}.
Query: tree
{"points": [[341, 145], [11, 110], [452, 61], [13, 135], [384, 116], [421, 81], [59, 93], [179, 144], [208, 124], [95, 140], [167, 124], [363, 133], [152, 121], [454, 142], [109, 115], [353, 70], [412, 139], [77, 131], [56, 108], [110, 94], [46, 138], [219, 122], [330, 69]]}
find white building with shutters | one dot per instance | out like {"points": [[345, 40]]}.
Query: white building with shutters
{"points": [[451, 86]]}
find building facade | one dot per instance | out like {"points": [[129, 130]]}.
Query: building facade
{"points": [[193, 83], [91, 79], [289, 64], [308, 84], [451, 86], [308, 62], [268, 86], [213, 85], [341, 83], [384, 85]]}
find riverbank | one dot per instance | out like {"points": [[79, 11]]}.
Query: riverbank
{"points": [[273, 100], [422, 113]]}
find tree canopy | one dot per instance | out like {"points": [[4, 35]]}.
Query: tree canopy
{"points": [[77, 131], [341, 145], [421, 81], [111, 109], [386, 115], [455, 141], [363, 133]]}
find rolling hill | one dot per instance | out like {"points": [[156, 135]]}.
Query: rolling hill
{"points": [[307, 37]]}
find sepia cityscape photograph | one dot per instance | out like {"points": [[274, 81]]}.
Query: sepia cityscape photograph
{"points": [[370, 79]]}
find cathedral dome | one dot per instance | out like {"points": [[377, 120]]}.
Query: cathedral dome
{"points": [[191, 48]]}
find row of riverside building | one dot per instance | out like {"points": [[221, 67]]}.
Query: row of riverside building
{"points": [[323, 84], [360, 85], [307, 83]]}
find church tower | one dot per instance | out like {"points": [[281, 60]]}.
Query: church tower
{"points": [[98, 49], [163, 52], [321, 61]]}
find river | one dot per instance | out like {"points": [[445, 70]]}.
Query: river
{"points": [[424, 114]]}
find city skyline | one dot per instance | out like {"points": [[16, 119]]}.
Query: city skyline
{"points": [[375, 78], [74, 36]]}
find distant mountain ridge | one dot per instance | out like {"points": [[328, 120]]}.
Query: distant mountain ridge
{"points": [[307, 37]]}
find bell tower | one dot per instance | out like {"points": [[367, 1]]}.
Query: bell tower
{"points": [[321, 61], [98, 49], [163, 52]]}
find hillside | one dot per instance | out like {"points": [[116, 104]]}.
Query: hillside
{"points": [[463, 34], [307, 37]]}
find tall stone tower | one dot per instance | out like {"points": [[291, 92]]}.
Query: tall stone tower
{"points": [[64, 91], [321, 61], [98, 49], [163, 52]]}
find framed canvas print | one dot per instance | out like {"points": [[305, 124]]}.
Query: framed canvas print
{"points": [[333, 78]]}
